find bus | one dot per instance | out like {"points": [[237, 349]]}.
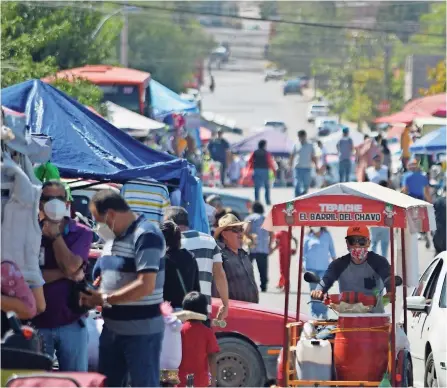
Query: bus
{"points": [[128, 88]]}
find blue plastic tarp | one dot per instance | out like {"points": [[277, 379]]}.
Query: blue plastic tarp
{"points": [[278, 143], [165, 101], [87, 146], [432, 143]]}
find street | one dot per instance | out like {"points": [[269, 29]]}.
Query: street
{"points": [[247, 99]]}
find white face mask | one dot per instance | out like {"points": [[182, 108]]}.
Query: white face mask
{"points": [[55, 209]]}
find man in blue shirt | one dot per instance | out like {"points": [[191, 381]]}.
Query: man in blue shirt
{"points": [[132, 270], [219, 150], [415, 183]]}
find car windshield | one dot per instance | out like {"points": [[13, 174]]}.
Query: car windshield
{"points": [[126, 96]]}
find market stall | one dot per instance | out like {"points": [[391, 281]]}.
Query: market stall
{"points": [[87, 146]]}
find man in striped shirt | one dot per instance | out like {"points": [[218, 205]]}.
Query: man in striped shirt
{"points": [[131, 290], [208, 256]]}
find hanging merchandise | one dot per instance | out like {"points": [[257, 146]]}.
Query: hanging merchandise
{"points": [[48, 172], [21, 233]]}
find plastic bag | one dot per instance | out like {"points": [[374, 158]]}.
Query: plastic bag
{"points": [[171, 348]]}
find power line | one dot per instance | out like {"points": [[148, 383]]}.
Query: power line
{"points": [[299, 23]]}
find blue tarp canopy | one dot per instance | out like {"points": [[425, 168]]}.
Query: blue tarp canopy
{"points": [[165, 101], [278, 143], [432, 143], [87, 146]]}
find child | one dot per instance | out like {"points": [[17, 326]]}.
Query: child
{"points": [[282, 242], [199, 345]]}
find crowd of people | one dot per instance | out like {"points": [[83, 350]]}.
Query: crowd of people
{"points": [[142, 266]]}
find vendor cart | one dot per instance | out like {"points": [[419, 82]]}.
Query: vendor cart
{"points": [[363, 351]]}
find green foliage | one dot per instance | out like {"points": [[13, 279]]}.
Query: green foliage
{"points": [[437, 78], [168, 51], [38, 40], [84, 91], [268, 9]]}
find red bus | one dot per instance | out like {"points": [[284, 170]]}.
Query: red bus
{"points": [[128, 88]]}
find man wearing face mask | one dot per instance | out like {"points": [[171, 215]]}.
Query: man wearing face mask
{"points": [[63, 256], [132, 278], [360, 271]]}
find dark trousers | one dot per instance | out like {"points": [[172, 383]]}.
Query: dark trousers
{"points": [[262, 263], [223, 173]]}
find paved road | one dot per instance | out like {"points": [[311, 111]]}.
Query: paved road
{"points": [[244, 97]]}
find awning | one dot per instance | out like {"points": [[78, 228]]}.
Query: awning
{"points": [[405, 117], [214, 122], [432, 143], [428, 104], [135, 124], [278, 143], [395, 131]]}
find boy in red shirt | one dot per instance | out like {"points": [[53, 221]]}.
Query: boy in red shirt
{"points": [[282, 242], [199, 345]]}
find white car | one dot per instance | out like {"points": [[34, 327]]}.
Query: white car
{"points": [[317, 110], [427, 322], [326, 125], [279, 125]]}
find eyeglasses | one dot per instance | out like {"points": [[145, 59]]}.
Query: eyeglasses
{"points": [[352, 240], [236, 230], [46, 198]]}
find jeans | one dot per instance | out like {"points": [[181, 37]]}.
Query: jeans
{"points": [[318, 309], [135, 355], [262, 263], [344, 169], [261, 179], [382, 235], [302, 180], [70, 343]]}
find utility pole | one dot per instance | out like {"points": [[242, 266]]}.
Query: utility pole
{"points": [[124, 41], [387, 70]]}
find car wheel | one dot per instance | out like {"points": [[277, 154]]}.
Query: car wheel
{"points": [[239, 364], [430, 378]]}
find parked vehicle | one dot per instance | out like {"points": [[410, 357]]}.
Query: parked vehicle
{"points": [[315, 110], [240, 204], [292, 86], [427, 317], [327, 125], [279, 125], [274, 74]]}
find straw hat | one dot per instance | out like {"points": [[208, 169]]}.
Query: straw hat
{"points": [[227, 221]]}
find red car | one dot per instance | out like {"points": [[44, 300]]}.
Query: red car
{"points": [[250, 344]]}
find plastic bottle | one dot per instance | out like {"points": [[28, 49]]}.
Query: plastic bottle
{"points": [[190, 380]]}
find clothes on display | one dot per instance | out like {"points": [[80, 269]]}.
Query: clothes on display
{"points": [[148, 198], [21, 233], [176, 198]]}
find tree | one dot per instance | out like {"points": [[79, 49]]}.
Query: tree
{"points": [[37, 41], [168, 51], [437, 77]]}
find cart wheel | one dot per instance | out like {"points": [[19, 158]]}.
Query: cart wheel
{"points": [[407, 373]]}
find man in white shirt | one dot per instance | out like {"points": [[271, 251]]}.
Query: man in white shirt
{"points": [[378, 172], [208, 256], [301, 160]]}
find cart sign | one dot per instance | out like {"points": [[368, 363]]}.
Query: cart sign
{"points": [[337, 210]]}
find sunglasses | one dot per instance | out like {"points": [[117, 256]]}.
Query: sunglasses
{"points": [[236, 230], [362, 241], [46, 198]]}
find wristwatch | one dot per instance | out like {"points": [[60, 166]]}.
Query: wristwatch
{"points": [[105, 303]]}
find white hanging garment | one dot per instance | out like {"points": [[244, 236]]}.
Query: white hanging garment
{"points": [[21, 234], [171, 348]]}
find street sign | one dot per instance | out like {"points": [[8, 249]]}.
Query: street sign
{"points": [[384, 106]]}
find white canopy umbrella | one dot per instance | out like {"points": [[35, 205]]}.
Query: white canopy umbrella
{"points": [[138, 125]]}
